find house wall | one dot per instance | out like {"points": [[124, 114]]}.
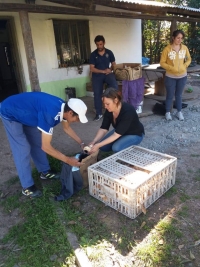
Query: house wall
{"points": [[123, 37]]}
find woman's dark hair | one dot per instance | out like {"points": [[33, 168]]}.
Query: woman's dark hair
{"points": [[177, 32], [112, 93], [67, 108], [99, 38]]}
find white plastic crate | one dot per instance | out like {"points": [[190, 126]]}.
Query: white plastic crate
{"points": [[132, 179]]}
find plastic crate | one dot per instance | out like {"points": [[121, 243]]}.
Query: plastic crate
{"points": [[132, 179]]}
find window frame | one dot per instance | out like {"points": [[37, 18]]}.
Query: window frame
{"points": [[83, 43]]}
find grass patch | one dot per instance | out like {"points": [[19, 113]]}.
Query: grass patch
{"points": [[184, 197], [171, 192], [197, 178], [194, 155], [41, 239], [13, 181], [156, 250], [11, 202], [183, 212]]}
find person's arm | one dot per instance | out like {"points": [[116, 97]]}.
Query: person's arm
{"points": [[50, 150], [163, 61], [108, 140], [95, 70], [188, 58], [68, 130], [100, 134], [112, 65]]}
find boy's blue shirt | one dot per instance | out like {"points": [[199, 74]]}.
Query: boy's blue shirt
{"points": [[36, 109]]}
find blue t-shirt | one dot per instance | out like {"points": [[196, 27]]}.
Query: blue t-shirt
{"points": [[36, 109], [101, 62]]}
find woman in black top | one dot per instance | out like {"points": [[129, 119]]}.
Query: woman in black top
{"points": [[128, 130]]}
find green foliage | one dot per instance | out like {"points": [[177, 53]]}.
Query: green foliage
{"points": [[156, 34]]}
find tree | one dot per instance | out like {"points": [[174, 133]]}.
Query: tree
{"points": [[156, 34]]}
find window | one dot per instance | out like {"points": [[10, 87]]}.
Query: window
{"points": [[72, 42]]}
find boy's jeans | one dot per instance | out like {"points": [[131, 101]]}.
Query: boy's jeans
{"points": [[25, 143]]}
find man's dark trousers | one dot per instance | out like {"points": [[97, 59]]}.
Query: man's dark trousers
{"points": [[97, 84]]}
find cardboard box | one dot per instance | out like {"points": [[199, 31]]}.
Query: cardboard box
{"points": [[124, 65], [128, 71], [88, 161]]}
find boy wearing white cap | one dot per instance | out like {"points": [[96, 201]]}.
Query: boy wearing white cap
{"points": [[28, 119]]}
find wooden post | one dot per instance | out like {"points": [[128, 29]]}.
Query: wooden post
{"points": [[173, 27], [30, 54], [160, 87]]}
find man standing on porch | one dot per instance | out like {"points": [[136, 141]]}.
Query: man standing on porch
{"points": [[100, 60]]}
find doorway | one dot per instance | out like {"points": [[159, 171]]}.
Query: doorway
{"points": [[8, 81]]}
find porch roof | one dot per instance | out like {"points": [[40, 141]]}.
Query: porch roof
{"points": [[133, 9]]}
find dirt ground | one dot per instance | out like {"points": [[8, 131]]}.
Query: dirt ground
{"points": [[177, 138]]}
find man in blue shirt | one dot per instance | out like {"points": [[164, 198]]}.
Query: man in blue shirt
{"points": [[100, 60], [28, 119]]}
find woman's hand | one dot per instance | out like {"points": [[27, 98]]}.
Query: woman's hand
{"points": [[91, 144], [94, 148]]}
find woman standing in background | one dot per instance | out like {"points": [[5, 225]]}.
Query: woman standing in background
{"points": [[175, 59]]}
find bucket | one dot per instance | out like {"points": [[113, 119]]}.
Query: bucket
{"points": [[70, 92]]}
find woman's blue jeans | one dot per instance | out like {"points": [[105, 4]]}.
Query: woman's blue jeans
{"points": [[174, 87], [121, 143], [25, 143]]}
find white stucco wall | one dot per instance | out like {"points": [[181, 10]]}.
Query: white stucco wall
{"points": [[123, 37]]}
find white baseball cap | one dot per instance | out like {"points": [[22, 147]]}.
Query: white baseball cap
{"points": [[79, 107]]}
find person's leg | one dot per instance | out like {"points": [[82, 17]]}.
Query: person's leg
{"points": [[20, 150], [170, 85], [97, 86], [111, 81], [180, 84], [38, 155], [126, 141], [107, 147]]}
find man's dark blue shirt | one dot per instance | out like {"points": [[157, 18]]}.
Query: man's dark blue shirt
{"points": [[101, 62]]}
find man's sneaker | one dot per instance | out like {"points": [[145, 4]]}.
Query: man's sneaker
{"points": [[49, 175], [179, 115], [31, 191], [98, 117], [168, 116]]}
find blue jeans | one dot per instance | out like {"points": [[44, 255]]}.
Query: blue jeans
{"points": [[97, 85], [72, 182], [121, 143], [174, 87], [25, 143]]}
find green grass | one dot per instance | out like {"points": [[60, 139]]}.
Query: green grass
{"points": [[40, 240], [11, 202], [156, 251], [13, 180], [194, 155], [39, 237], [171, 192], [184, 197], [183, 212]]}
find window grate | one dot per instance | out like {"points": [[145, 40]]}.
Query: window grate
{"points": [[72, 42]]}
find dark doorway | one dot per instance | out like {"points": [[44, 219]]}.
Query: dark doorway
{"points": [[8, 83]]}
